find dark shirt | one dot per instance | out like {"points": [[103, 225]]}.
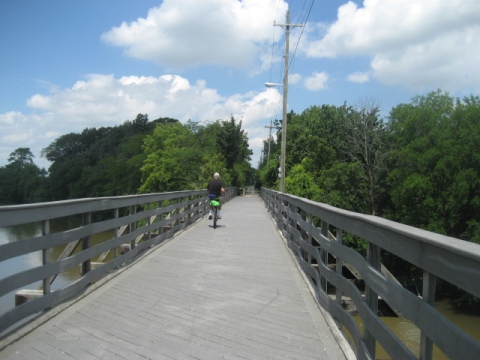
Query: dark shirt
{"points": [[215, 187]]}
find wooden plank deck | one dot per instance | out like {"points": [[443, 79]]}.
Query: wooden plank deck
{"points": [[229, 293]]}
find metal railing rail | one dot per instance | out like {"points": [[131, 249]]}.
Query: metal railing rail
{"points": [[453, 260], [150, 218]]}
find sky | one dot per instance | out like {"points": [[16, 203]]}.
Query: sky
{"points": [[70, 65]]}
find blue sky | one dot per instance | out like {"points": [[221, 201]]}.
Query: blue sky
{"points": [[69, 65]]}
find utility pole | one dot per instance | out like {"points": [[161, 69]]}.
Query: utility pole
{"points": [[287, 26], [269, 139]]}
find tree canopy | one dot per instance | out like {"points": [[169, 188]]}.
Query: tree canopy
{"points": [[419, 167], [137, 156], [186, 156]]}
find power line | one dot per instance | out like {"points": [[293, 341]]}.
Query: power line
{"points": [[287, 65], [290, 65]]}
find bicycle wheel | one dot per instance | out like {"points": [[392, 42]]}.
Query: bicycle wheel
{"points": [[214, 217]]}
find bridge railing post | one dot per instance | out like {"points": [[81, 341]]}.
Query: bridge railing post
{"points": [[278, 212], [46, 256], [285, 211], [371, 297], [291, 223], [133, 225], [149, 222], [339, 267], [160, 229], [428, 295], [324, 254], [86, 265], [116, 212], [306, 236]]}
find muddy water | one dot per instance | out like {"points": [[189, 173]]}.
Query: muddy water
{"points": [[21, 263], [409, 334]]}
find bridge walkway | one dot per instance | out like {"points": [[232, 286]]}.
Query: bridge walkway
{"points": [[229, 293]]}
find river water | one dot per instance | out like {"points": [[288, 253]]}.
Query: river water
{"points": [[24, 262], [405, 330], [409, 334]]}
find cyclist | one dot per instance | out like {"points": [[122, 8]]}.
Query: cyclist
{"points": [[215, 189]]}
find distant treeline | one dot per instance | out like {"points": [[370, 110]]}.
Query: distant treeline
{"points": [[138, 156]]}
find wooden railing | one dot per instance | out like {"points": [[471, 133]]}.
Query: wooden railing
{"points": [[137, 222], [307, 227]]}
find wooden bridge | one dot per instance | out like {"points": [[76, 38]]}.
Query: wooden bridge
{"points": [[234, 292], [251, 289]]}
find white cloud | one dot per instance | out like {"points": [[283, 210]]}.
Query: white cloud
{"points": [[103, 100], [39, 102], [16, 130], [9, 118], [190, 33], [418, 45], [294, 78], [318, 81], [358, 77]]}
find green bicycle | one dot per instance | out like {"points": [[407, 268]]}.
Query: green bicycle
{"points": [[215, 204]]}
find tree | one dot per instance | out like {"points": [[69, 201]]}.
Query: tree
{"points": [[172, 159], [314, 138], [22, 181], [21, 157], [435, 170], [343, 186], [301, 183], [364, 144], [99, 162], [232, 144], [122, 171]]}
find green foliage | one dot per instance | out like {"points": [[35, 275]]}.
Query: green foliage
{"points": [[267, 176], [434, 179], [341, 151], [472, 231], [99, 162], [22, 181], [232, 144], [364, 144], [302, 184], [314, 135], [467, 302], [212, 163], [21, 157], [356, 243], [179, 157], [173, 159], [343, 187], [161, 155], [121, 172]]}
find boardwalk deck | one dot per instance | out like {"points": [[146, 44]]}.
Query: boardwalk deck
{"points": [[229, 293]]}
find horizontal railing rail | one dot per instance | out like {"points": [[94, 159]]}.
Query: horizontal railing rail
{"points": [[145, 221], [306, 226]]}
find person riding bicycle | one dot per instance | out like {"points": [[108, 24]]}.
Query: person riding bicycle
{"points": [[215, 189]]}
